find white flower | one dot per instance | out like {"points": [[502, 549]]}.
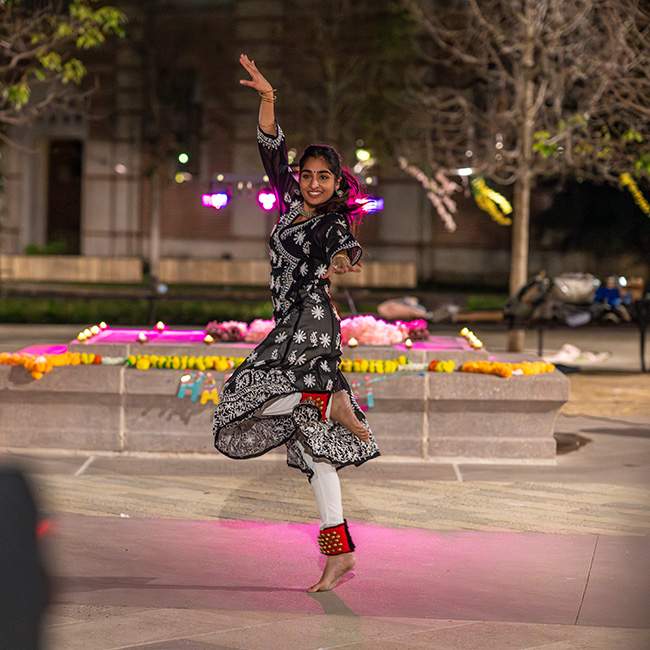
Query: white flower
{"points": [[299, 237], [315, 297], [252, 356], [306, 248], [309, 380], [321, 271], [325, 366], [281, 337], [330, 384], [304, 267], [299, 336], [300, 360], [291, 375], [318, 312], [274, 353], [292, 356], [325, 340], [313, 339]]}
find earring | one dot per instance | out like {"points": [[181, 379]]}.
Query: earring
{"points": [[339, 192]]}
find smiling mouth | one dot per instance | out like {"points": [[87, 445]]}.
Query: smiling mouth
{"points": [[314, 193]]}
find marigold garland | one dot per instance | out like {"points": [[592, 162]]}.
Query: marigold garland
{"points": [[505, 369], [40, 364], [627, 181]]}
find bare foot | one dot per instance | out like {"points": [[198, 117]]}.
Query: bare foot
{"points": [[342, 413], [337, 566]]}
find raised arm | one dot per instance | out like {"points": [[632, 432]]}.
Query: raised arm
{"points": [[266, 92], [272, 146]]}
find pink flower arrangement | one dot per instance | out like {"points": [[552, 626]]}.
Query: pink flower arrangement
{"points": [[259, 329], [229, 330], [416, 330], [368, 330]]}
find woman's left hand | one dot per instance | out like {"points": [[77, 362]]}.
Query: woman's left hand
{"points": [[341, 264]]}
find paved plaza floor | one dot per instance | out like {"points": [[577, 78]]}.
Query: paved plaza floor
{"points": [[205, 553]]}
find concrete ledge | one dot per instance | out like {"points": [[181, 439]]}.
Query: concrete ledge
{"points": [[438, 416]]}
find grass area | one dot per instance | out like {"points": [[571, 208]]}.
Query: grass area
{"points": [[484, 301], [125, 312]]}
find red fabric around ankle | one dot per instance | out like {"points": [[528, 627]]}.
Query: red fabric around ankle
{"points": [[319, 400], [336, 540]]}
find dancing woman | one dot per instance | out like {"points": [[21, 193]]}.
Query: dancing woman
{"points": [[289, 390]]}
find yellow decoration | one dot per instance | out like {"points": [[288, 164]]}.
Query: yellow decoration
{"points": [[40, 365], [209, 395], [471, 338], [627, 181], [489, 200], [505, 369]]}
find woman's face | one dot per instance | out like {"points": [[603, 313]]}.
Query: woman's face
{"points": [[317, 182]]}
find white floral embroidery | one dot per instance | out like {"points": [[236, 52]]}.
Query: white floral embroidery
{"points": [[292, 376], [325, 366], [315, 297], [300, 360], [309, 380], [252, 356], [281, 337], [299, 336], [306, 248], [268, 141], [274, 353], [292, 356], [329, 385], [313, 338], [318, 312], [299, 237], [304, 267], [325, 340], [321, 270]]}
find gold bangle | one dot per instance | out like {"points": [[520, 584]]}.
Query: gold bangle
{"points": [[266, 92]]}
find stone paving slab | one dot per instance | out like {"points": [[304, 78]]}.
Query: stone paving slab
{"points": [[233, 584]]}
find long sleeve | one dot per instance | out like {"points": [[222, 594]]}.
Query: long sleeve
{"points": [[273, 151], [337, 237]]}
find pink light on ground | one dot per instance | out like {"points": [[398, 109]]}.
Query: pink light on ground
{"points": [[266, 199]]}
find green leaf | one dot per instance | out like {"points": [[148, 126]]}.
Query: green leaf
{"points": [[51, 61], [73, 71], [17, 95]]}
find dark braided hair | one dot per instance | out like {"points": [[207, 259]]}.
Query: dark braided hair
{"points": [[352, 191]]}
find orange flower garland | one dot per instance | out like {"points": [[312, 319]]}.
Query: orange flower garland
{"points": [[505, 369], [41, 364]]}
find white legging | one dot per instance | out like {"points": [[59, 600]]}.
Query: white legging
{"points": [[325, 481]]}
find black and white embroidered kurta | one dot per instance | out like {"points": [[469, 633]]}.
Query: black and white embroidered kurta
{"points": [[303, 351]]}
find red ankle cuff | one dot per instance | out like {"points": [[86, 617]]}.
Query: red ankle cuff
{"points": [[336, 540], [319, 400]]}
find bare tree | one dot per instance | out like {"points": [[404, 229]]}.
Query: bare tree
{"points": [[343, 61], [523, 89]]}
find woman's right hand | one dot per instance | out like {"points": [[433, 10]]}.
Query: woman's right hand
{"points": [[257, 80]]}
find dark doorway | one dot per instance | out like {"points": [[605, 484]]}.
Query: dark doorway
{"points": [[64, 196]]}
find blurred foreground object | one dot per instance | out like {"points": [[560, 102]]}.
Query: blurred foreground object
{"points": [[23, 583]]}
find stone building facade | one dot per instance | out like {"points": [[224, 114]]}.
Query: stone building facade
{"points": [[87, 178]]}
